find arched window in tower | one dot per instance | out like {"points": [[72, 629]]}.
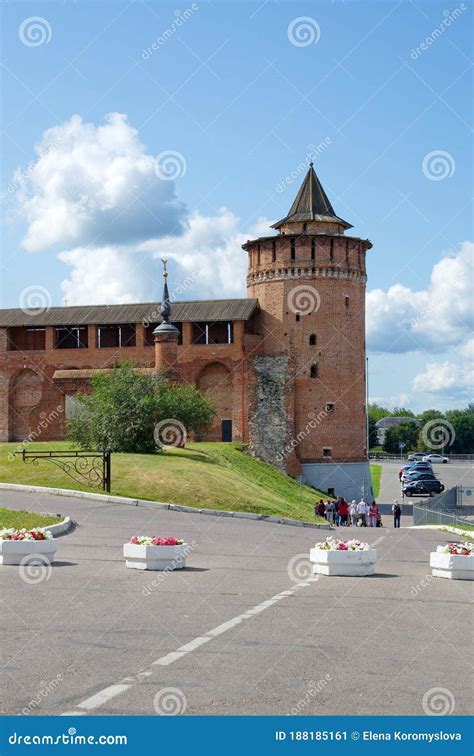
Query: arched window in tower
{"points": [[293, 249], [313, 249], [314, 371], [312, 339], [274, 250]]}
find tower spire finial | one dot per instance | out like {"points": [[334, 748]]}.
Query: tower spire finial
{"points": [[165, 308]]}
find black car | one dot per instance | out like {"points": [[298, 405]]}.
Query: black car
{"points": [[426, 487]]}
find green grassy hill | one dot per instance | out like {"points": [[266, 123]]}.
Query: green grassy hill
{"points": [[207, 475]]}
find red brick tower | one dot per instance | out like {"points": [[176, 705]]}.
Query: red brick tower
{"points": [[310, 283]]}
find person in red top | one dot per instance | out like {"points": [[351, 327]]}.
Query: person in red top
{"points": [[373, 512], [343, 511], [319, 508]]}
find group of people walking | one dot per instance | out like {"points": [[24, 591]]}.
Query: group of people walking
{"points": [[355, 514]]}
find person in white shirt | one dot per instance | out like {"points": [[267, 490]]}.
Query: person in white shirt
{"points": [[362, 512], [353, 513]]}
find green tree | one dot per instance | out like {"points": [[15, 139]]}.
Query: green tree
{"points": [[124, 407], [373, 439], [462, 423], [402, 412], [406, 432], [427, 420], [377, 412]]}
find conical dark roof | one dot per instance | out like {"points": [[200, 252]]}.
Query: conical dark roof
{"points": [[311, 203]]}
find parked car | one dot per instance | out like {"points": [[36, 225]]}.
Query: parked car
{"points": [[417, 455], [428, 487], [416, 466], [416, 471], [418, 476], [435, 458]]}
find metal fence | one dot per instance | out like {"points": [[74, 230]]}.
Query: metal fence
{"points": [[404, 456], [424, 516]]}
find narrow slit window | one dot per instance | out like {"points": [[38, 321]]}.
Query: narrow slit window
{"points": [[293, 249], [313, 249], [298, 317], [313, 371], [274, 251], [312, 339], [330, 407], [331, 249]]}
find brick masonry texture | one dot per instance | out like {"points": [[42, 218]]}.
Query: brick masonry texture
{"points": [[292, 381]]}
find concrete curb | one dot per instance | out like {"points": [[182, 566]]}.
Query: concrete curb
{"points": [[155, 505], [60, 527], [446, 528]]}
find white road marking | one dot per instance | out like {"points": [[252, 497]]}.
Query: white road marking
{"points": [[195, 643], [103, 695], [114, 690]]}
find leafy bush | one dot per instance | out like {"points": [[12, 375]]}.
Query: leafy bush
{"points": [[124, 405]]}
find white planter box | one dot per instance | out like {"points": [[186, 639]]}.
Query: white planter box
{"points": [[155, 557], [346, 563], [452, 566], [38, 552]]}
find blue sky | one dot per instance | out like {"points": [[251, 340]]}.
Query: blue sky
{"points": [[231, 92]]}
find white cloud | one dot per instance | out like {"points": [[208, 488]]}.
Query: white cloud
{"points": [[94, 191], [445, 379], [108, 275], [210, 249], [206, 261], [95, 185], [403, 320]]}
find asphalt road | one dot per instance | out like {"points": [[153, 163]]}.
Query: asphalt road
{"points": [[451, 474], [237, 632]]}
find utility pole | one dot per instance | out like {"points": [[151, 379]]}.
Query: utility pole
{"points": [[367, 404]]}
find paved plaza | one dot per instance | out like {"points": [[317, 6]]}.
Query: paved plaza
{"points": [[240, 631]]}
